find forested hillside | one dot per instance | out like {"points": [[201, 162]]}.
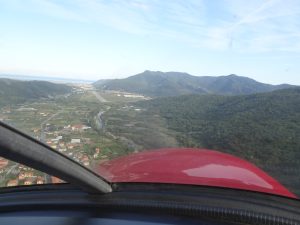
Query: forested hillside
{"points": [[15, 91], [262, 128]]}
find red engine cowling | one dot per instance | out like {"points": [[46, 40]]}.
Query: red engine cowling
{"points": [[191, 166]]}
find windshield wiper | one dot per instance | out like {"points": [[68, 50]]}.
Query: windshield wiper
{"points": [[21, 148]]}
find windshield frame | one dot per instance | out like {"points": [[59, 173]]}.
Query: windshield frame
{"points": [[26, 150]]}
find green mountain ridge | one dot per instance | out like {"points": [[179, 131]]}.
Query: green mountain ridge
{"points": [[160, 84], [15, 91]]}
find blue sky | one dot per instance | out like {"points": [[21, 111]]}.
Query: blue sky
{"points": [[99, 39]]}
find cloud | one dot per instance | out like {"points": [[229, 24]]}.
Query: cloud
{"points": [[270, 26], [48, 8], [240, 25]]}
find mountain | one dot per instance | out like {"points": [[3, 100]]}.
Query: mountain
{"points": [[15, 91], [263, 128], [157, 84]]}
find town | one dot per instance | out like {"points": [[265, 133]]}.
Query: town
{"points": [[69, 124]]}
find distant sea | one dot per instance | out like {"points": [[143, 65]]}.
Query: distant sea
{"points": [[52, 79]]}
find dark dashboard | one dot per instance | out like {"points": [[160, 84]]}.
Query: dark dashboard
{"points": [[144, 204], [77, 217]]}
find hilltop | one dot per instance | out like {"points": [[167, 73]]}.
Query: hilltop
{"points": [[158, 84]]}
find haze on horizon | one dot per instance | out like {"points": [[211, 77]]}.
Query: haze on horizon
{"points": [[96, 39]]}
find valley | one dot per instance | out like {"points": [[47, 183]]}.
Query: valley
{"points": [[93, 125], [84, 125]]}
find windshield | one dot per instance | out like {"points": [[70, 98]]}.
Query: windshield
{"points": [[117, 85]]}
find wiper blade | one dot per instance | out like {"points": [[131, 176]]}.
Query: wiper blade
{"points": [[21, 148]]}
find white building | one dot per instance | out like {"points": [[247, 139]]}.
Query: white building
{"points": [[75, 141]]}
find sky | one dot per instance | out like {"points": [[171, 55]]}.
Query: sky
{"points": [[101, 39]]}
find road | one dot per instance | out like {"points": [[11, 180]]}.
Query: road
{"points": [[42, 138], [99, 97], [100, 125], [99, 120]]}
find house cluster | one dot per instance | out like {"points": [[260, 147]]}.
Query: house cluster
{"points": [[60, 145], [96, 154], [83, 87], [6, 110], [57, 142], [26, 176], [68, 147], [79, 127], [44, 114], [69, 140], [29, 176], [76, 127], [79, 89], [126, 94], [4, 113], [82, 158], [3, 163], [3, 117], [85, 159]]}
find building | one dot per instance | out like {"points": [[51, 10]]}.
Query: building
{"points": [[86, 163], [67, 127], [55, 140], [77, 127], [133, 96], [85, 160], [53, 146], [27, 174], [75, 141], [29, 181], [11, 183], [70, 146], [62, 144], [21, 167], [86, 127], [80, 127], [40, 180], [3, 162], [24, 109], [96, 154], [56, 180], [36, 130], [97, 150]]}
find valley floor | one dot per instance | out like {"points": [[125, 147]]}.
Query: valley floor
{"points": [[88, 126]]}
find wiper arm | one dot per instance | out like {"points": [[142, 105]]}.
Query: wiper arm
{"points": [[21, 148]]}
